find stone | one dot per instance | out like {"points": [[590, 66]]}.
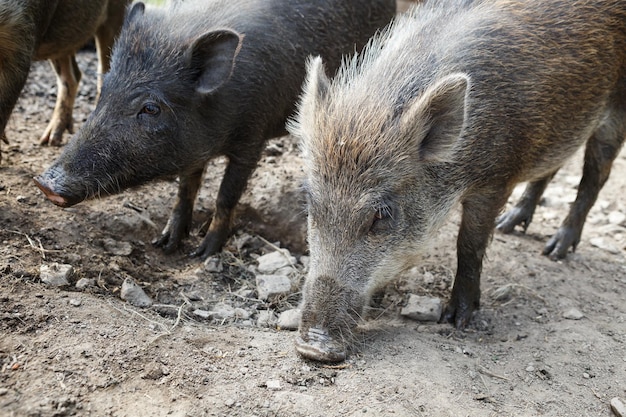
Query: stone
{"points": [[83, 283], [273, 384], [203, 314], [603, 244], [573, 314], [289, 319], [273, 261], [115, 247], [213, 264], [271, 286], [618, 407], [74, 302], [422, 308], [133, 294], [55, 274], [222, 311], [617, 217]]}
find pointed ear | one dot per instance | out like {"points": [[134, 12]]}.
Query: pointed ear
{"points": [[314, 89], [135, 11], [436, 118], [212, 56]]}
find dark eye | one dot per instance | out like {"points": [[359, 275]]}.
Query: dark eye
{"points": [[383, 214], [151, 109]]}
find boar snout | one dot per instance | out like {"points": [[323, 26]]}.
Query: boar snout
{"points": [[331, 309], [49, 184]]}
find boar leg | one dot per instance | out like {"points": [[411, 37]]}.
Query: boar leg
{"points": [[179, 223], [16, 51], [601, 150], [522, 212], [105, 37], [479, 213], [233, 184], [68, 77]]}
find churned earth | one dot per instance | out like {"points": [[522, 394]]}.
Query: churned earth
{"points": [[550, 339]]}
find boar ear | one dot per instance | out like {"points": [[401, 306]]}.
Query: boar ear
{"points": [[436, 117], [135, 11], [212, 56], [314, 89]]}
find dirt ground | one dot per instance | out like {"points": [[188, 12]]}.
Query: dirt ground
{"points": [[70, 351]]}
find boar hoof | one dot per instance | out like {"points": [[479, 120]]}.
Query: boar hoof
{"points": [[515, 217], [319, 346], [458, 314], [559, 244]]}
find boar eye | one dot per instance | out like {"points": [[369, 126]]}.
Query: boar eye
{"points": [[151, 109], [381, 218]]}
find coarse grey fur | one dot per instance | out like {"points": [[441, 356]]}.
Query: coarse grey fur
{"points": [[198, 80], [457, 102]]}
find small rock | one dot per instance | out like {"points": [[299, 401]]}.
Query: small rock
{"points": [[273, 384], [222, 311], [271, 286], [586, 375], [242, 314], [618, 407], [503, 293], [422, 308], [55, 274], [132, 293], [530, 368], [213, 264], [74, 302], [617, 217], [3, 391], [273, 261], [203, 314], [289, 319], [84, 283], [266, 318], [601, 243], [573, 314], [115, 247], [229, 403]]}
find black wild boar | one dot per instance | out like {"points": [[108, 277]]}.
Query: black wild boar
{"points": [[198, 80], [456, 103], [55, 30]]}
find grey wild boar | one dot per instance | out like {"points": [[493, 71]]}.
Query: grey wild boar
{"points": [[33, 30], [198, 80], [456, 103]]}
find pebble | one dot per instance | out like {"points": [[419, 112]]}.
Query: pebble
{"points": [[289, 319], [271, 286], [266, 318], [222, 311], [3, 391], [241, 313], [115, 247], [74, 302], [573, 314], [273, 384], [617, 217], [422, 308], [618, 408], [55, 274], [132, 293], [273, 261], [203, 314], [213, 264], [83, 283], [601, 243]]}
